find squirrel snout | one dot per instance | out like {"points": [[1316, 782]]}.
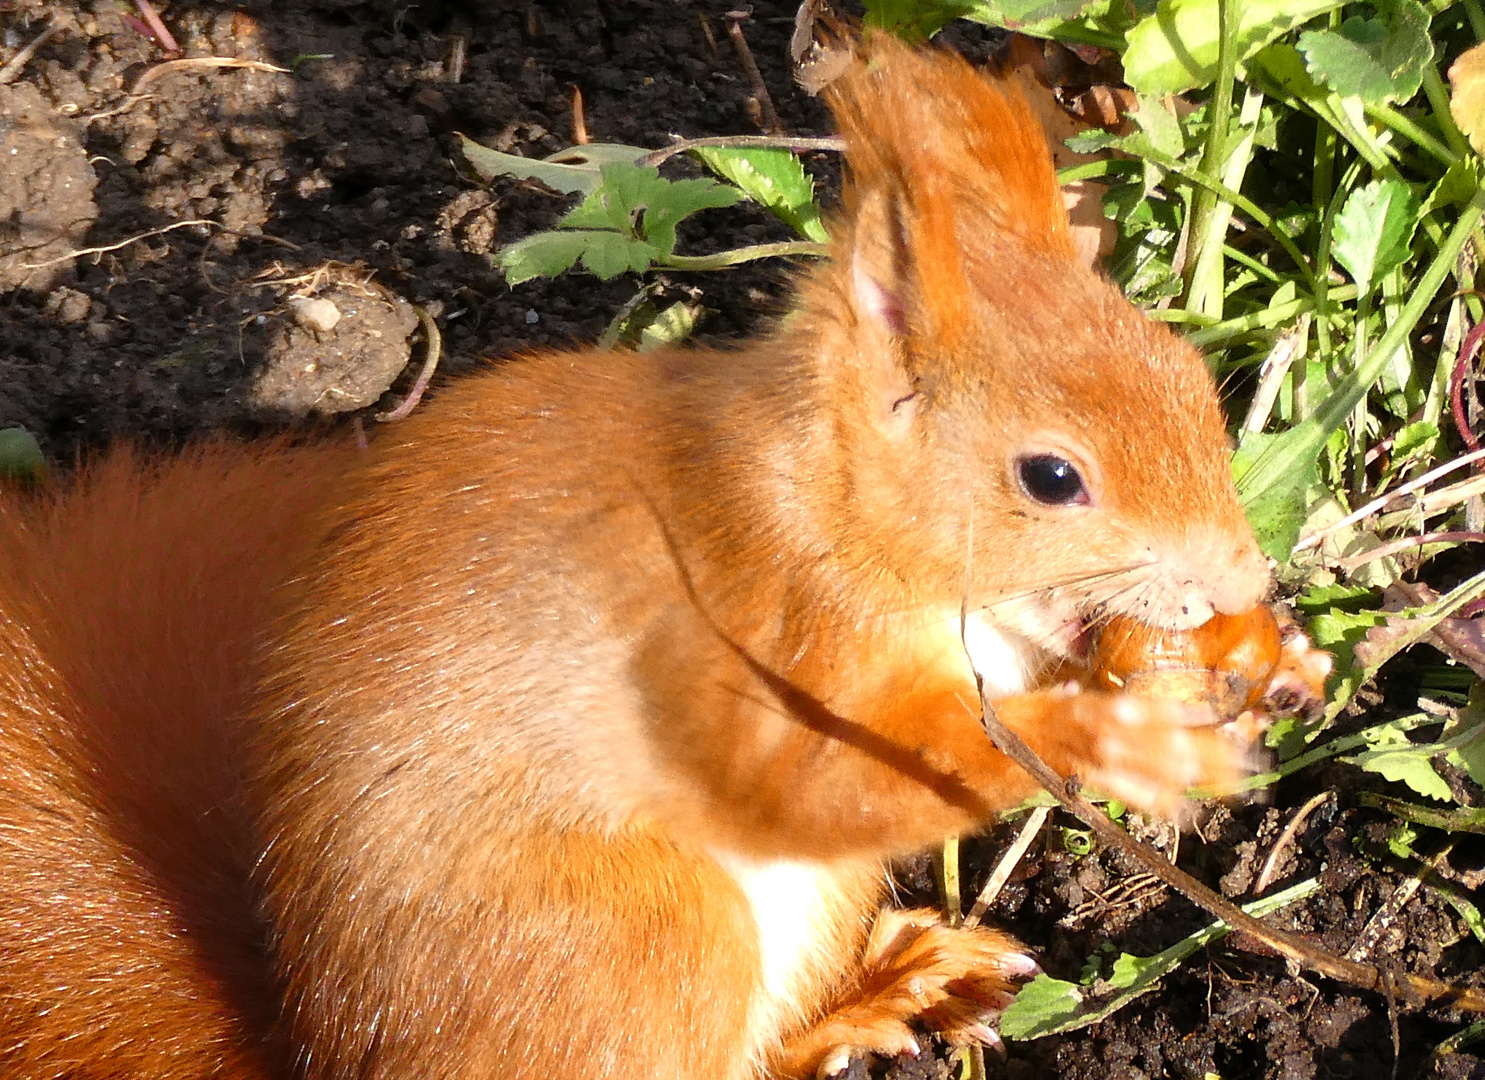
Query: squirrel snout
{"points": [[1208, 575]]}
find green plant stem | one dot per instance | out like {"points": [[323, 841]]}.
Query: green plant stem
{"points": [[1304, 441], [1321, 285], [1476, 17], [1244, 259], [1246, 205], [1438, 100], [1405, 127], [1326, 751], [1359, 413], [1218, 334], [737, 256], [1101, 167], [1209, 276], [1203, 272]]}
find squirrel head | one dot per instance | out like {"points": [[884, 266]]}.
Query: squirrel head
{"points": [[1032, 440]]}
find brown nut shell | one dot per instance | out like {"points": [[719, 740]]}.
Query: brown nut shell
{"points": [[1226, 662]]}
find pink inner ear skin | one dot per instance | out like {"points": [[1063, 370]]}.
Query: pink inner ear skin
{"points": [[883, 307]]}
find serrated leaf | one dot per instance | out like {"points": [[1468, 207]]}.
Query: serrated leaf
{"points": [[1404, 767], [1159, 126], [1042, 1006], [1467, 97], [1377, 61], [572, 171], [636, 201], [775, 180], [609, 254], [20, 456], [1176, 48], [678, 200], [1281, 70], [544, 254], [618, 201], [1373, 231]]}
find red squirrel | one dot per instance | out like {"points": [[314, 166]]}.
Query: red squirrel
{"points": [[565, 731]]}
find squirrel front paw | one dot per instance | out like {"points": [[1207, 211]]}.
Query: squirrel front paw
{"points": [[915, 971], [1147, 752]]}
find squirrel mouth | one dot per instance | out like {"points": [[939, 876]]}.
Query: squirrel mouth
{"points": [[1080, 633]]}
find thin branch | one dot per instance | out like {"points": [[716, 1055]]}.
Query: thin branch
{"points": [[1314, 539], [745, 142], [121, 244], [190, 62]]}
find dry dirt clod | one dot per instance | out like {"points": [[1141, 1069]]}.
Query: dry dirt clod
{"points": [[316, 364], [46, 190]]}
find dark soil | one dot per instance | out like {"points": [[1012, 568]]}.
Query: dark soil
{"points": [[340, 181]]}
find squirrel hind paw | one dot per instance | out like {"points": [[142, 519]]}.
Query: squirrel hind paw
{"points": [[916, 972]]}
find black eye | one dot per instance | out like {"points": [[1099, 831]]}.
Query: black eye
{"points": [[1051, 480]]}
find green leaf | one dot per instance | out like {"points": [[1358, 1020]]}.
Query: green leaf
{"points": [[1377, 61], [1374, 229], [20, 456], [1277, 512], [680, 199], [775, 180], [572, 171], [671, 325], [636, 201], [1043, 1006], [1471, 757], [1176, 48], [1394, 758], [1092, 22], [1457, 186], [1280, 70], [1338, 632], [609, 254], [546, 254], [915, 20]]}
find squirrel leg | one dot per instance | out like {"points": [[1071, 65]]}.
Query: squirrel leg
{"points": [[914, 969]]}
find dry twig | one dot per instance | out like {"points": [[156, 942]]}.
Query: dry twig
{"points": [[190, 62]]}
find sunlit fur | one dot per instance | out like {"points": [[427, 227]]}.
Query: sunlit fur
{"points": [[506, 726]]}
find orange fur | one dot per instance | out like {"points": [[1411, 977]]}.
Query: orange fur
{"points": [[564, 731]]}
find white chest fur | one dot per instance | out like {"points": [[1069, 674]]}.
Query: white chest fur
{"points": [[1004, 661], [795, 918]]}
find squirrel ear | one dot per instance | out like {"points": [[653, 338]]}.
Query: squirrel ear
{"points": [[877, 256], [937, 154], [882, 286]]}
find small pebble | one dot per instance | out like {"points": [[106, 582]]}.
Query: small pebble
{"points": [[316, 316], [532, 318]]}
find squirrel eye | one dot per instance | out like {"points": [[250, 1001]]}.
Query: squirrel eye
{"points": [[1051, 480]]}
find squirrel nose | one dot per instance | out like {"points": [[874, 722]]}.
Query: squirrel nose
{"points": [[1240, 581], [1209, 574]]}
